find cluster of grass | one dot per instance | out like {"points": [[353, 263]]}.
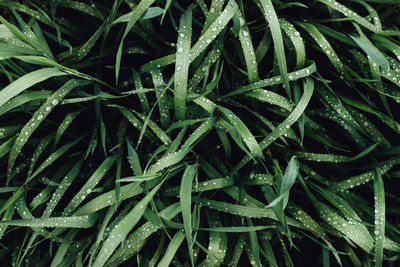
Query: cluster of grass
{"points": [[199, 133]]}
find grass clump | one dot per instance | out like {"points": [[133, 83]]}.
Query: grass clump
{"points": [[204, 133]]}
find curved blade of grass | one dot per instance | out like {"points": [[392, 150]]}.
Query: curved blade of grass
{"points": [[326, 47], [172, 249], [109, 198], [43, 196], [217, 244], [305, 72], [259, 179], [272, 18], [82, 51], [288, 181], [184, 123], [19, 34], [68, 119], [121, 230], [199, 133], [134, 121], [154, 127], [351, 14], [263, 47], [158, 63], [248, 49], [204, 102], [286, 124], [212, 32], [22, 99], [167, 161], [369, 127], [136, 240], [213, 56], [333, 101], [26, 215], [376, 75], [27, 81], [61, 189], [44, 142], [365, 44], [88, 187], [244, 132], [271, 98], [39, 116], [306, 220], [343, 226], [53, 157], [362, 178], [29, 11], [296, 40], [237, 253], [139, 178], [137, 13], [150, 13]]}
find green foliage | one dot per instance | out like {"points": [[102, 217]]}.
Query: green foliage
{"points": [[199, 133]]}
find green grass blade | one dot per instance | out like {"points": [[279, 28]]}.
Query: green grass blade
{"points": [[61, 189], [109, 198], [172, 249], [27, 81], [88, 187], [185, 195], [272, 18], [54, 222], [244, 132], [379, 196], [136, 240], [182, 64], [365, 44], [212, 32], [121, 230], [137, 13], [50, 103], [248, 49], [296, 40]]}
